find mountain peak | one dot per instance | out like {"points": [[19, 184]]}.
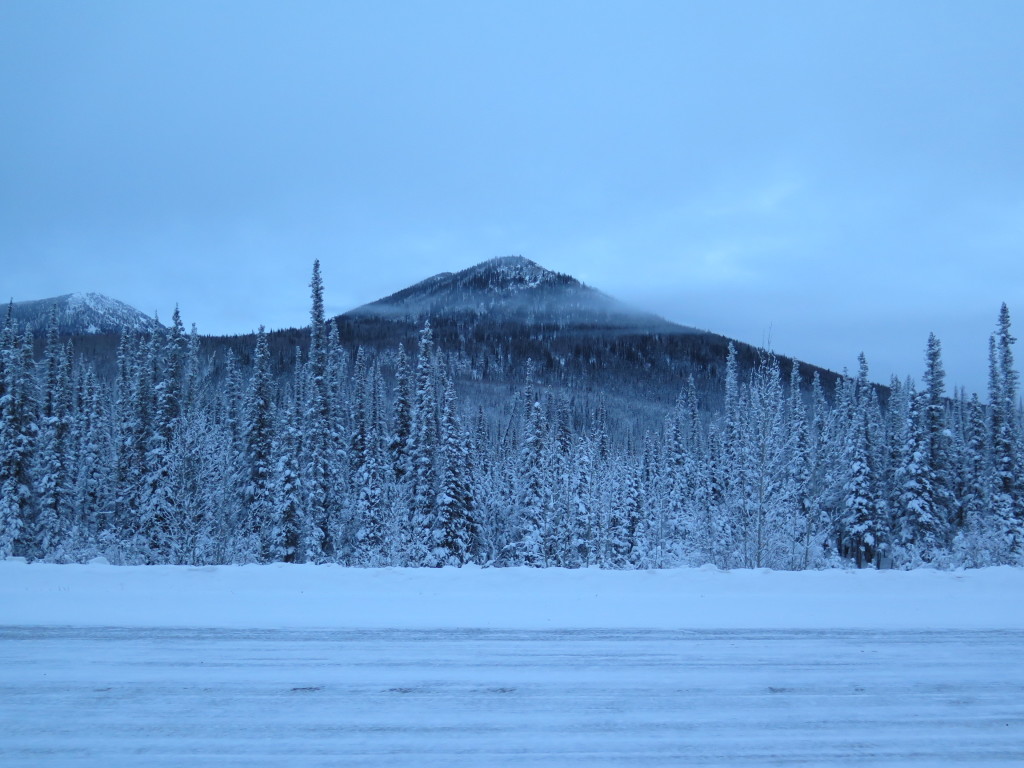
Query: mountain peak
{"points": [[515, 271], [510, 289], [84, 312]]}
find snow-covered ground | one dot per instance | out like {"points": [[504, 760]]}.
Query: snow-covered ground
{"points": [[310, 666], [311, 596]]}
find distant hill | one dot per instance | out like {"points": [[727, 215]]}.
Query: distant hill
{"points": [[82, 313]]}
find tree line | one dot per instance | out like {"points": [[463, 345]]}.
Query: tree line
{"points": [[370, 458]]}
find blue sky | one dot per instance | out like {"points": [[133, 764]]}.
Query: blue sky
{"points": [[820, 177]]}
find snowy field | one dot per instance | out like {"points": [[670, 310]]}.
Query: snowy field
{"points": [[311, 666]]}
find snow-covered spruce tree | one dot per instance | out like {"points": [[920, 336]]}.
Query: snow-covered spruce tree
{"points": [[380, 447], [158, 531], [531, 540], [255, 537], [920, 529], [233, 404], [822, 427], [360, 402], [21, 414], [616, 544], [897, 418], [497, 483], [94, 471], [424, 525], [698, 541], [456, 507], [192, 378], [130, 456], [53, 526], [318, 443], [161, 526], [170, 386], [865, 535], [710, 532], [800, 476], [834, 447], [563, 525], [676, 516], [16, 441], [399, 445], [341, 496], [979, 539], [287, 535], [938, 435], [198, 470], [374, 526], [580, 530], [765, 526], [636, 525], [731, 465], [1007, 491]]}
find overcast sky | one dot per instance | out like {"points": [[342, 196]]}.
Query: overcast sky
{"points": [[822, 178]]}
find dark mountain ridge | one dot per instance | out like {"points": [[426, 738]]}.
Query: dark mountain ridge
{"points": [[499, 317], [492, 321]]}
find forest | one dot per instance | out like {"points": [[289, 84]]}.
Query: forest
{"points": [[371, 457]]}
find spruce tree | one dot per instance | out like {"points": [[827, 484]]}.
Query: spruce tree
{"points": [[53, 526], [937, 433], [1003, 379], [259, 444], [318, 442], [456, 505], [921, 528], [863, 524], [287, 537], [530, 545]]}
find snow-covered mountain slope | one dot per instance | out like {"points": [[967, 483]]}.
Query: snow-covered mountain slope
{"points": [[513, 289], [82, 313]]}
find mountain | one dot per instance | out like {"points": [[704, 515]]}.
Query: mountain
{"points": [[513, 289], [497, 323], [503, 317], [82, 313]]}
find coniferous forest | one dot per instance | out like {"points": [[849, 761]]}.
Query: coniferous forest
{"points": [[375, 457]]}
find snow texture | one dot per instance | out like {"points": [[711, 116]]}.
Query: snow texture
{"points": [[327, 596], [120, 697], [180, 666]]}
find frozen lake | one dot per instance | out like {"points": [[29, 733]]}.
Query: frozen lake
{"points": [[93, 696]]}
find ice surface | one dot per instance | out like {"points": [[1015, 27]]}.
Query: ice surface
{"points": [[165, 697], [174, 666]]}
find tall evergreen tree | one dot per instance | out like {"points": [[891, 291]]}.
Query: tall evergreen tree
{"points": [[53, 525], [867, 540], [15, 442], [532, 539], [373, 520], [937, 433], [456, 505], [259, 501], [423, 448], [921, 528], [1003, 379], [287, 537], [318, 442]]}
